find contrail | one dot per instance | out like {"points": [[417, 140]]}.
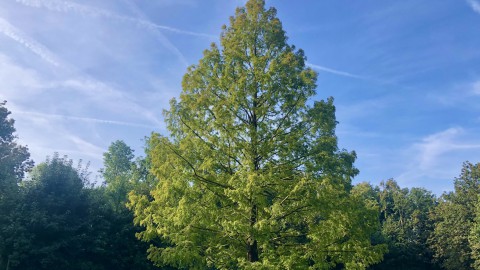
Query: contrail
{"points": [[84, 119], [12, 32], [66, 6], [336, 72], [354, 76], [164, 40], [100, 91]]}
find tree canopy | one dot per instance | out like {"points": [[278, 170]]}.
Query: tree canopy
{"points": [[14, 159], [14, 163], [118, 173], [455, 220], [251, 176]]}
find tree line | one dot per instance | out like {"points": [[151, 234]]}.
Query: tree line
{"points": [[55, 218], [250, 176]]}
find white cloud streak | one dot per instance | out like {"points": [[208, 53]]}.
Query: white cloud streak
{"points": [[12, 32], [336, 72], [83, 119], [158, 34], [437, 155], [104, 95], [435, 145], [21, 83], [474, 5], [66, 6], [475, 88], [86, 147], [43, 137]]}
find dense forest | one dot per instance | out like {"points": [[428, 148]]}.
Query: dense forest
{"points": [[250, 176]]}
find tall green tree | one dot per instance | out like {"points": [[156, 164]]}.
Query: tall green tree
{"points": [[14, 162], [251, 176], [454, 218]]}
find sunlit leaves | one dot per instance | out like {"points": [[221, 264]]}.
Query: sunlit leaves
{"points": [[251, 176]]}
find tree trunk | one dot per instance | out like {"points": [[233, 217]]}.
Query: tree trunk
{"points": [[252, 254]]}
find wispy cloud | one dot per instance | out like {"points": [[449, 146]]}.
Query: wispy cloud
{"points": [[21, 83], [104, 94], [337, 72], [79, 149], [463, 94], [474, 5], [475, 88], [158, 35], [439, 155], [351, 113], [82, 119], [45, 137], [433, 146], [12, 32], [66, 6], [86, 147]]}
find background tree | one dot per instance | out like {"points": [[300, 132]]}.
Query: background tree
{"points": [[63, 222], [251, 176], [113, 244], [474, 238], [118, 172], [54, 218], [406, 226], [120, 249], [454, 217], [14, 162], [15, 159]]}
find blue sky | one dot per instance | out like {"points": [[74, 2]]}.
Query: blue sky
{"points": [[405, 75]]}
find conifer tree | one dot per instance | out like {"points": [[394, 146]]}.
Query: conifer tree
{"points": [[251, 176]]}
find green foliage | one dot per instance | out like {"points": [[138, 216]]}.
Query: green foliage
{"points": [[112, 242], [454, 221], [117, 231], [405, 226], [14, 158], [118, 172], [118, 161], [474, 238], [467, 187], [251, 177], [14, 162], [60, 222], [450, 237], [53, 218]]}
